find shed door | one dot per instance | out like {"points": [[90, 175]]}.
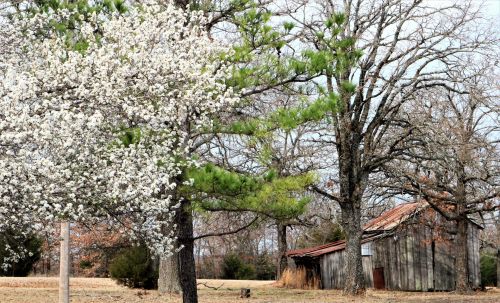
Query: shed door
{"points": [[378, 278]]}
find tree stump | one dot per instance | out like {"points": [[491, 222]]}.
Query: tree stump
{"points": [[245, 293]]}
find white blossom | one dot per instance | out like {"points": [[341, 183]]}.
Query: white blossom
{"points": [[63, 115]]}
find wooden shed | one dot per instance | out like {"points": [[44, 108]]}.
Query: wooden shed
{"points": [[409, 247]]}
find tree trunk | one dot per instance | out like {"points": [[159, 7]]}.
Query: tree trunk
{"points": [[182, 3], [187, 269], [461, 263], [168, 276], [498, 268], [168, 271], [49, 250], [352, 186], [461, 256], [354, 278], [282, 248], [64, 264]]}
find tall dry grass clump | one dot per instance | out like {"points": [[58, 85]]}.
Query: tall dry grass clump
{"points": [[299, 278]]}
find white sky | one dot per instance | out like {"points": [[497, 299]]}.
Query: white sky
{"points": [[490, 8]]}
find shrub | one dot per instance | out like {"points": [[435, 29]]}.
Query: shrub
{"points": [[488, 269], [233, 267], [246, 272], [265, 267], [85, 264], [18, 242], [134, 268], [230, 266]]}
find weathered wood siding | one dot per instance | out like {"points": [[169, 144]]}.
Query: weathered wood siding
{"points": [[473, 254], [417, 258], [444, 273], [368, 271], [332, 270]]}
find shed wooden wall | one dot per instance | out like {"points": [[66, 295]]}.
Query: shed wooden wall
{"points": [[473, 252], [407, 259], [332, 270], [415, 258]]}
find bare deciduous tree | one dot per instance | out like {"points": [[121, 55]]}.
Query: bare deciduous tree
{"points": [[455, 165], [407, 47]]}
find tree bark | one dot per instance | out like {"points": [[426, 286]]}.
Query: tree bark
{"points": [[282, 248], [64, 264], [354, 278], [461, 263], [187, 269], [182, 3], [352, 186], [168, 276], [168, 271]]}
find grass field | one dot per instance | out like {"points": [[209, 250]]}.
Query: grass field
{"points": [[87, 290]]}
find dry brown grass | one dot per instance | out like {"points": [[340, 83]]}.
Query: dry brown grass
{"points": [[89, 290], [298, 278]]}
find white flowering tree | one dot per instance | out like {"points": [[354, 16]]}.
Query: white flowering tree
{"points": [[92, 123]]}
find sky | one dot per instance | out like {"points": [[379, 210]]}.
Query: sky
{"points": [[490, 8]]}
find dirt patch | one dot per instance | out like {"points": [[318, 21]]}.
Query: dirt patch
{"points": [[88, 290]]}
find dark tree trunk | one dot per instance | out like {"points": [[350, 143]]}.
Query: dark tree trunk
{"points": [[354, 278], [187, 269], [461, 261], [47, 269], [352, 186], [461, 256], [182, 3], [282, 248]]}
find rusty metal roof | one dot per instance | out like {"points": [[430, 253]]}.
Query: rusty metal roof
{"points": [[392, 218], [323, 249], [317, 250], [385, 222]]}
